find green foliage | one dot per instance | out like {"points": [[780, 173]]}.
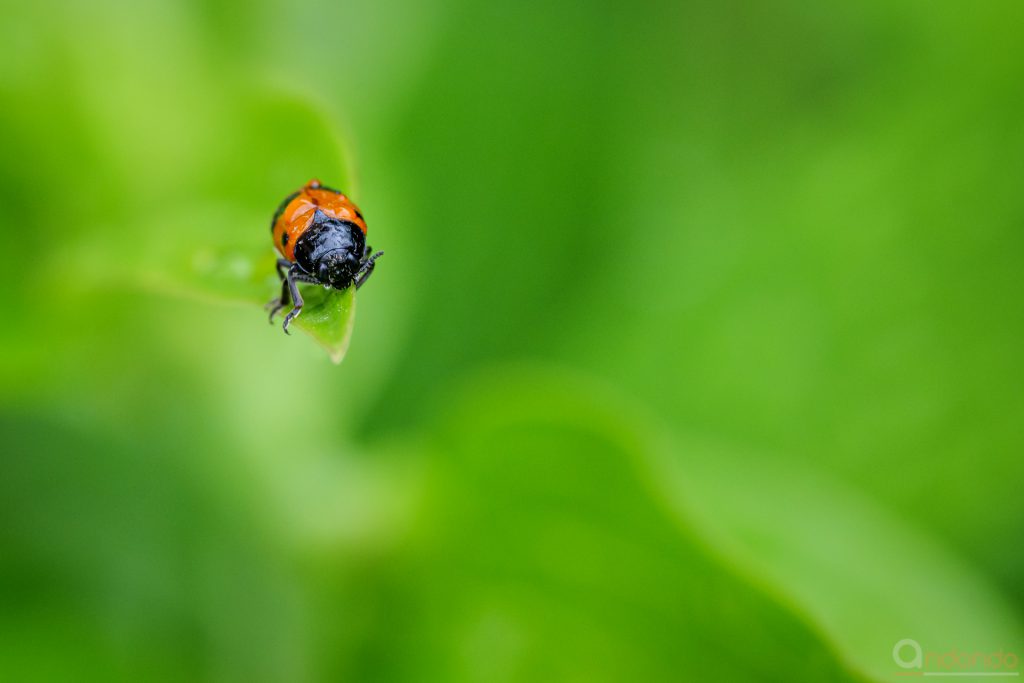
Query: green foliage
{"points": [[526, 577], [695, 353]]}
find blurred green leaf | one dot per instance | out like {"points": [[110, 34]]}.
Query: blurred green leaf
{"points": [[818, 552], [865, 577], [547, 552]]}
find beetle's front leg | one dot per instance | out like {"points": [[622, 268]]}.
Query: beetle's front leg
{"points": [[293, 289], [366, 269], [275, 305]]}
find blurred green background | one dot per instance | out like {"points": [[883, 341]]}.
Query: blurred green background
{"points": [[695, 353]]}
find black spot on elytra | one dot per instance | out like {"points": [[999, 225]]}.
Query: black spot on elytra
{"points": [[284, 239]]}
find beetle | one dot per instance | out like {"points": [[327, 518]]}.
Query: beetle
{"points": [[321, 237]]}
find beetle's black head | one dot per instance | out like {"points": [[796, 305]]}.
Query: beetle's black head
{"points": [[331, 250]]}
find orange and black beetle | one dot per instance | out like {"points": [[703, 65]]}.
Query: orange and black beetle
{"points": [[321, 236]]}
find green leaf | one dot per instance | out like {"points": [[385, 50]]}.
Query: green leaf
{"points": [[244, 274], [775, 547], [547, 552], [204, 232], [328, 316], [864, 576]]}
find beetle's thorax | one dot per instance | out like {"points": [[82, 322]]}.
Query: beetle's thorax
{"points": [[330, 250]]}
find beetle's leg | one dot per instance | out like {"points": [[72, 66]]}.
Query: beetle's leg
{"points": [[275, 305], [293, 288], [366, 270]]}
